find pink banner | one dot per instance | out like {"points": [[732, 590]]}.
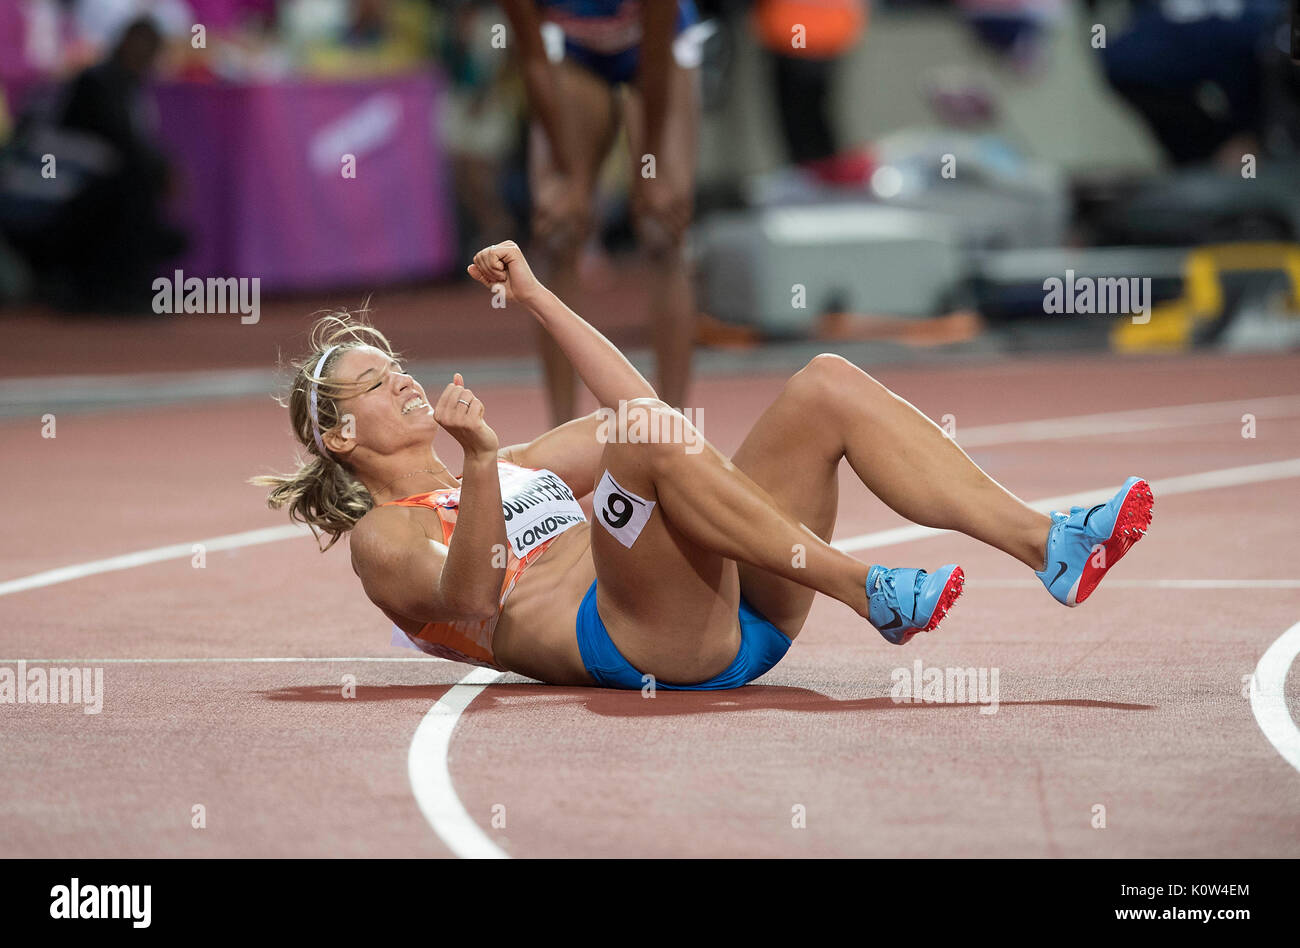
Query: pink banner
{"points": [[309, 185]]}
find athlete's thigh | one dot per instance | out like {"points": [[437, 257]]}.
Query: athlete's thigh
{"points": [[680, 138], [590, 120], [669, 605], [792, 455]]}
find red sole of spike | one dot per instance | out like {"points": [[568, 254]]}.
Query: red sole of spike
{"points": [[951, 590], [1130, 526]]}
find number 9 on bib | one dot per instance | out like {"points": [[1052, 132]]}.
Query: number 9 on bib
{"points": [[620, 511]]}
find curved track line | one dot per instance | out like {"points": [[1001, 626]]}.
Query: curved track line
{"points": [[432, 783], [426, 763], [1268, 697]]}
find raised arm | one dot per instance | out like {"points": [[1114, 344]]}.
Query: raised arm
{"points": [[602, 368]]}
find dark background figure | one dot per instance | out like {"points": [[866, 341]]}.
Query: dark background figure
{"points": [[803, 74], [100, 250], [611, 66], [484, 127], [1196, 70]]}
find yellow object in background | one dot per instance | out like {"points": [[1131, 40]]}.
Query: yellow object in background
{"points": [[399, 42], [1173, 324]]}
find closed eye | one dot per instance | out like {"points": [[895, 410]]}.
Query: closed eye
{"points": [[384, 377]]}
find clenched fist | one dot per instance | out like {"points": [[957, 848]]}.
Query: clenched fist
{"points": [[460, 414], [504, 263]]}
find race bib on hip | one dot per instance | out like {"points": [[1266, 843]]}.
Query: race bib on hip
{"points": [[620, 511]]}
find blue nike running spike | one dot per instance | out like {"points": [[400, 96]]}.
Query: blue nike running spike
{"points": [[1083, 544], [903, 602]]}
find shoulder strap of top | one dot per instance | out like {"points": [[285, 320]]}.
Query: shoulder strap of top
{"points": [[429, 498]]}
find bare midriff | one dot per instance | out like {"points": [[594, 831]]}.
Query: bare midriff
{"points": [[536, 633]]}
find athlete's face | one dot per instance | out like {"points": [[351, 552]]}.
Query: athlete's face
{"points": [[389, 409]]}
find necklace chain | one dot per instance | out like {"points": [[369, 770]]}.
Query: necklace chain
{"points": [[423, 470]]}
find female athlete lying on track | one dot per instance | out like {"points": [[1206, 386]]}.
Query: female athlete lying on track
{"points": [[699, 570]]}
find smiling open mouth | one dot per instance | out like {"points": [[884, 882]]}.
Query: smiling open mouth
{"points": [[413, 404]]}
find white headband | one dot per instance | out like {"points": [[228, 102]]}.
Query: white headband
{"points": [[311, 404]]}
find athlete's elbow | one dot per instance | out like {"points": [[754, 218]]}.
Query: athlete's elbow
{"points": [[483, 610], [469, 606]]}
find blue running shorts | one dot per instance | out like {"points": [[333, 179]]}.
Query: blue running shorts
{"points": [[762, 645]]}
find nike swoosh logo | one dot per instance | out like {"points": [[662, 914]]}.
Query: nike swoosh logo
{"points": [[1090, 513], [898, 620], [1059, 572]]}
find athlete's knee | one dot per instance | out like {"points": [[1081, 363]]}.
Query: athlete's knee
{"points": [[561, 236], [633, 448], [825, 375], [652, 422], [648, 403], [661, 242], [651, 431], [828, 380], [560, 244]]}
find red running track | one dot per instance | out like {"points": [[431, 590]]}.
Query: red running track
{"points": [[1133, 702]]}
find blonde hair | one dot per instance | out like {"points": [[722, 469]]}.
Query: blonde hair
{"points": [[324, 493]]}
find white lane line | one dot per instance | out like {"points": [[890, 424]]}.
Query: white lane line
{"points": [[1189, 483], [1046, 429], [1181, 584], [158, 554], [1267, 698], [427, 764], [1124, 422], [1268, 695], [431, 778], [430, 774]]}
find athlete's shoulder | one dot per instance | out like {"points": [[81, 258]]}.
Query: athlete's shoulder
{"points": [[381, 533]]}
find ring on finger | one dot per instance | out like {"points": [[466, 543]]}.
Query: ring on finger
{"points": [[461, 401]]}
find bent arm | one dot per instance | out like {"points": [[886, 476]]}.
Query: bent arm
{"points": [[476, 555], [407, 573]]}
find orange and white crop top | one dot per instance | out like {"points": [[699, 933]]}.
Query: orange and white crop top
{"points": [[538, 506]]}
